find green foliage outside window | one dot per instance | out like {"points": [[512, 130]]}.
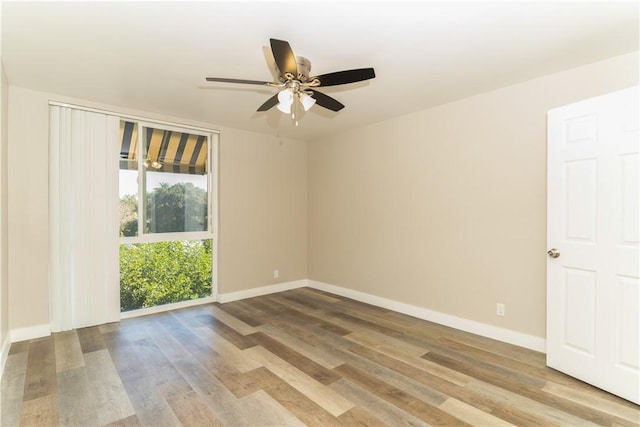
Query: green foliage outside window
{"points": [[175, 208], [160, 273], [170, 208]]}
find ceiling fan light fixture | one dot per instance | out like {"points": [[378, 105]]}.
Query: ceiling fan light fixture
{"points": [[285, 108], [306, 100], [294, 81], [285, 100]]}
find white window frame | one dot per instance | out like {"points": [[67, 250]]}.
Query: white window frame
{"points": [[212, 209], [212, 190]]}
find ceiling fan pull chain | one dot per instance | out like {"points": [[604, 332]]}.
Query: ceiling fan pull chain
{"points": [[294, 110]]}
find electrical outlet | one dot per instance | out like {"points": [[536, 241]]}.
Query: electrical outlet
{"points": [[500, 309], [276, 274]]}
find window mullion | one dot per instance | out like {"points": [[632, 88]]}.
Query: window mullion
{"points": [[209, 184], [141, 182]]}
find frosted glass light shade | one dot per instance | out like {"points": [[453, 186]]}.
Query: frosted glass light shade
{"points": [[306, 101], [285, 99], [285, 108]]}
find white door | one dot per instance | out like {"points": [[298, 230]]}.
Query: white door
{"points": [[593, 298]]}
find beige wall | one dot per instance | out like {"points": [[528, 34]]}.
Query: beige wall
{"points": [[4, 240], [445, 208], [262, 193], [28, 198], [263, 216]]}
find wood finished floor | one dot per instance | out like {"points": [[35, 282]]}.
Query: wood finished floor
{"points": [[301, 357]]}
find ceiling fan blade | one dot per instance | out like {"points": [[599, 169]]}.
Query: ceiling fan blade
{"points": [[285, 59], [246, 82], [326, 101], [344, 77], [269, 103]]}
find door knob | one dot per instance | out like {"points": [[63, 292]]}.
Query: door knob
{"points": [[553, 253]]}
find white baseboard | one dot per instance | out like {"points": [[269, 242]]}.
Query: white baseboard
{"points": [[4, 353], [501, 334], [262, 290], [30, 332]]}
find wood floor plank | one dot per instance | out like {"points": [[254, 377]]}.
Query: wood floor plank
{"points": [[110, 399], [75, 398], [242, 385], [359, 417], [11, 388], [68, 351], [379, 341], [303, 300], [232, 354], [210, 360], [524, 355], [410, 374], [433, 369], [19, 347], [229, 320], [168, 345], [170, 325], [40, 379], [316, 294], [146, 385], [150, 405], [526, 366], [541, 413], [616, 409], [124, 356], [167, 381], [109, 327], [270, 308], [306, 365], [297, 403], [225, 372], [471, 414], [247, 314], [516, 384], [430, 388], [373, 363], [310, 334], [411, 359], [342, 304], [227, 332], [131, 421], [264, 410], [299, 357], [317, 318], [192, 411], [41, 411], [397, 397], [333, 403], [386, 412], [90, 339], [215, 394], [317, 354]]}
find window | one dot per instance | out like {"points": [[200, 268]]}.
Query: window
{"points": [[166, 211]]}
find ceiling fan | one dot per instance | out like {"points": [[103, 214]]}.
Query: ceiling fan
{"points": [[294, 82]]}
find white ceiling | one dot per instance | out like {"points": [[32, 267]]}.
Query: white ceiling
{"points": [[154, 56]]}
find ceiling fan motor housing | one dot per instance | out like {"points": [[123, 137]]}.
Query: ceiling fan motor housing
{"points": [[304, 67]]}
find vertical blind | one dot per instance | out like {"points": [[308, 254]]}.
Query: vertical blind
{"points": [[83, 218]]}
